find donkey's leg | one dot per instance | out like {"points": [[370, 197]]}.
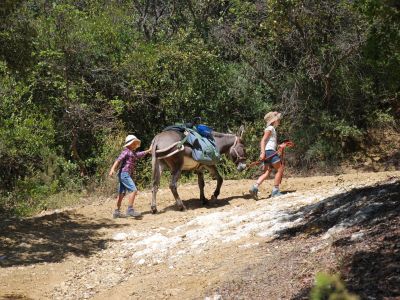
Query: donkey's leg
{"points": [[200, 180], [176, 173], [215, 175], [156, 175]]}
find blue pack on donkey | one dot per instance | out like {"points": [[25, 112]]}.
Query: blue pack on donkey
{"points": [[203, 145]]}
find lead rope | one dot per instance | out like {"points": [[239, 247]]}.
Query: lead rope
{"points": [[282, 147]]}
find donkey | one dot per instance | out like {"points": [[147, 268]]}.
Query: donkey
{"points": [[167, 151]]}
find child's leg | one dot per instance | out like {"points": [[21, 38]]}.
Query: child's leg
{"points": [[117, 211], [278, 176], [254, 189], [127, 185], [131, 198], [265, 175], [121, 193], [130, 211], [131, 188], [119, 200]]}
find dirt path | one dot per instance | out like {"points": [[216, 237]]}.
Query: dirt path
{"points": [[82, 253]]}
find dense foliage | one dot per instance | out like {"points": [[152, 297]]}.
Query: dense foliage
{"points": [[77, 75]]}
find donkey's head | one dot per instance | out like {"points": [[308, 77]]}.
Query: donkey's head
{"points": [[237, 151]]}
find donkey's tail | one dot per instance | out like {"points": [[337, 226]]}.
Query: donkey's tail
{"points": [[155, 164], [153, 147]]}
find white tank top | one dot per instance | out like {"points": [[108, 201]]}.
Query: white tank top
{"points": [[272, 141]]}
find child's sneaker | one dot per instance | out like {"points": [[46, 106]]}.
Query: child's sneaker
{"points": [[117, 214], [276, 193], [132, 213], [254, 192]]}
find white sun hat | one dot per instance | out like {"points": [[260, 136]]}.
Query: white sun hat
{"points": [[271, 117], [130, 139]]}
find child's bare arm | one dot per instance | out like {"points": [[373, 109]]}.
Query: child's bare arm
{"points": [[143, 153], [114, 167]]}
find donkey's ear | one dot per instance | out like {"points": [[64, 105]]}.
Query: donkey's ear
{"points": [[240, 131]]}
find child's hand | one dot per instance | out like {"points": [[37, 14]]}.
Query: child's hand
{"points": [[262, 156], [111, 174]]}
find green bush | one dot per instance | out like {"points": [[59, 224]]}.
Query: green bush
{"points": [[87, 72], [330, 287]]}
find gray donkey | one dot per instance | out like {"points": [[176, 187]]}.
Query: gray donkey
{"points": [[168, 151]]}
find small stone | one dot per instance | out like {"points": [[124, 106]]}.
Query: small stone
{"points": [[25, 245], [357, 236]]}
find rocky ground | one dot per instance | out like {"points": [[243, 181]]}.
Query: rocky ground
{"points": [[236, 248]]}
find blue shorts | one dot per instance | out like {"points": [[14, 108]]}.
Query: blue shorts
{"points": [[272, 157], [126, 183]]}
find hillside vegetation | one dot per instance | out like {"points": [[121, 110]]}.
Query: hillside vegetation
{"points": [[77, 75]]}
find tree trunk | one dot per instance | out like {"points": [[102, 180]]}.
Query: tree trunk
{"points": [[75, 154]]}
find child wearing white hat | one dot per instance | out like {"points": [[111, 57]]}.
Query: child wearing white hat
{"points": [[127, 161]]}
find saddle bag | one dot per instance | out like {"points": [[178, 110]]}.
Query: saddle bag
{"points": [[205, 131], [204, 149]]}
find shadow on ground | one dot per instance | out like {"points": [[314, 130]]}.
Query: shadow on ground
{"points": [[14, 296], [50, 238], [361, 206], [374, 269], [365, 226], [355, 234], [195, 203]]}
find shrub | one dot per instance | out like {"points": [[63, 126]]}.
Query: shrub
{"points": [[330, 287]]}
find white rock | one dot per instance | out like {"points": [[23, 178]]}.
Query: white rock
{"points": [[120, 236], [357, 236], [215, 297]]}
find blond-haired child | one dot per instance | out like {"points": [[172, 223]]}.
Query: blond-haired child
{"points": [[269, 154]]}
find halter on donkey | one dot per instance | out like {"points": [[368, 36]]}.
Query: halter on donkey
{"points": [[170, 150]]}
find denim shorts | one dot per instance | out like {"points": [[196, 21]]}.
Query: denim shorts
{"points": [[272, 157], [126, 183]]}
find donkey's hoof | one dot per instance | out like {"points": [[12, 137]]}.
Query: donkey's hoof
{"points": [[183, 208], [213, 197], [154, 209], [205, 202]]}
